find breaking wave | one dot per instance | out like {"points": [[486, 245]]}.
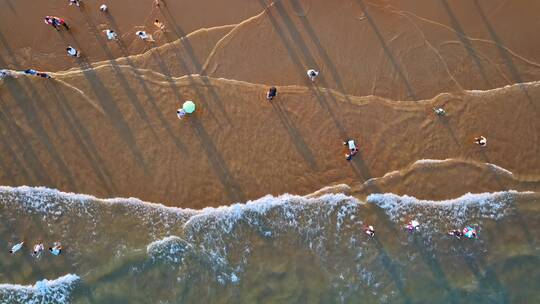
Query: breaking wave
{"points": [[44, 291]]}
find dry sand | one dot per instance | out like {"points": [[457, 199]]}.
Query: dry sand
{"points": [[107, 126]]}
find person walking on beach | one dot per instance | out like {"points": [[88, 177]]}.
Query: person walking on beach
{"points": [[312, 74], [272, 92], [56, 22], [111, 34], [144, 36], [103, 8], [76, 2], [56, 249], [16, 247], [481, 141], [73, 52], [351, 145]]}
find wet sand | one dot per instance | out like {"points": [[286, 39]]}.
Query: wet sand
{"points": [[106, 124]]}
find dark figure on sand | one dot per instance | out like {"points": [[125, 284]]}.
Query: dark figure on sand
{"points": [[56, 22], [272, 92]]}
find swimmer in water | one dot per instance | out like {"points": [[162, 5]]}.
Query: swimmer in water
{"points": [[56, 249], [369, 230], [458, 234], [38, 249], [16, 247], [412, 225]]}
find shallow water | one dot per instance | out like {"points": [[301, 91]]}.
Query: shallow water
{"points": [[286, 249]]}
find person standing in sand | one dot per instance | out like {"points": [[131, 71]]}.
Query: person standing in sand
{"points": [[312, 74], [75, 2], [73, 52], [481, 141], [111, 35], [103, 8], [144, 36], [272, 92]]}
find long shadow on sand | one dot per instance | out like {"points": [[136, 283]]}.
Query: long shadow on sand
{"points": [[188, 48], [505, 55], [232, 188], [31, 113], [151, 98], [295, 136], [82, 138], [387, 51], [467, 45]]}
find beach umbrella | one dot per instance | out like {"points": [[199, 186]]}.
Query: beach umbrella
{"points": [[189, 107]]}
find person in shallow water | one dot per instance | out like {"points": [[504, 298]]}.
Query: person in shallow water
{"points": [[56, 22], [456, 233], [75, 2], [412, 226], [16, 247], [38, 249], [272, 92], [481, 141], [369, 230], [56, 249], [469, 232]]}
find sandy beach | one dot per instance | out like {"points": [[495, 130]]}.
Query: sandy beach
{"points": [[107, 125]]}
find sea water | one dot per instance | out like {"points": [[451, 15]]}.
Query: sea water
{"points": [[285, 249]]}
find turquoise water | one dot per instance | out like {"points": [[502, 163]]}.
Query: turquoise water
{"points": [[286, 249]]}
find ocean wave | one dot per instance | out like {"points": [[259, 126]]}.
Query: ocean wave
{"points": [[458, 211], [44, 291]]}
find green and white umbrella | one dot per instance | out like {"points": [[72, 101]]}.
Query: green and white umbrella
{"points": [[189, 107]]}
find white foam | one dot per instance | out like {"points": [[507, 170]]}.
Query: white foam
{"points": [[499, 169], [44, 291], [428, 161], [468, 207]]}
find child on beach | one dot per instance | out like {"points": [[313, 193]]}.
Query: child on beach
{"points": [[73, 52], [312, 74], [111, 35], [482, 141], [159, 25], [272, 92], [144, 36], [16, 247]]}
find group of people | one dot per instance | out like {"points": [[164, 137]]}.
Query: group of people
{"points": [[111, 35], [413, 225], [5, 73], [38, 249]]}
